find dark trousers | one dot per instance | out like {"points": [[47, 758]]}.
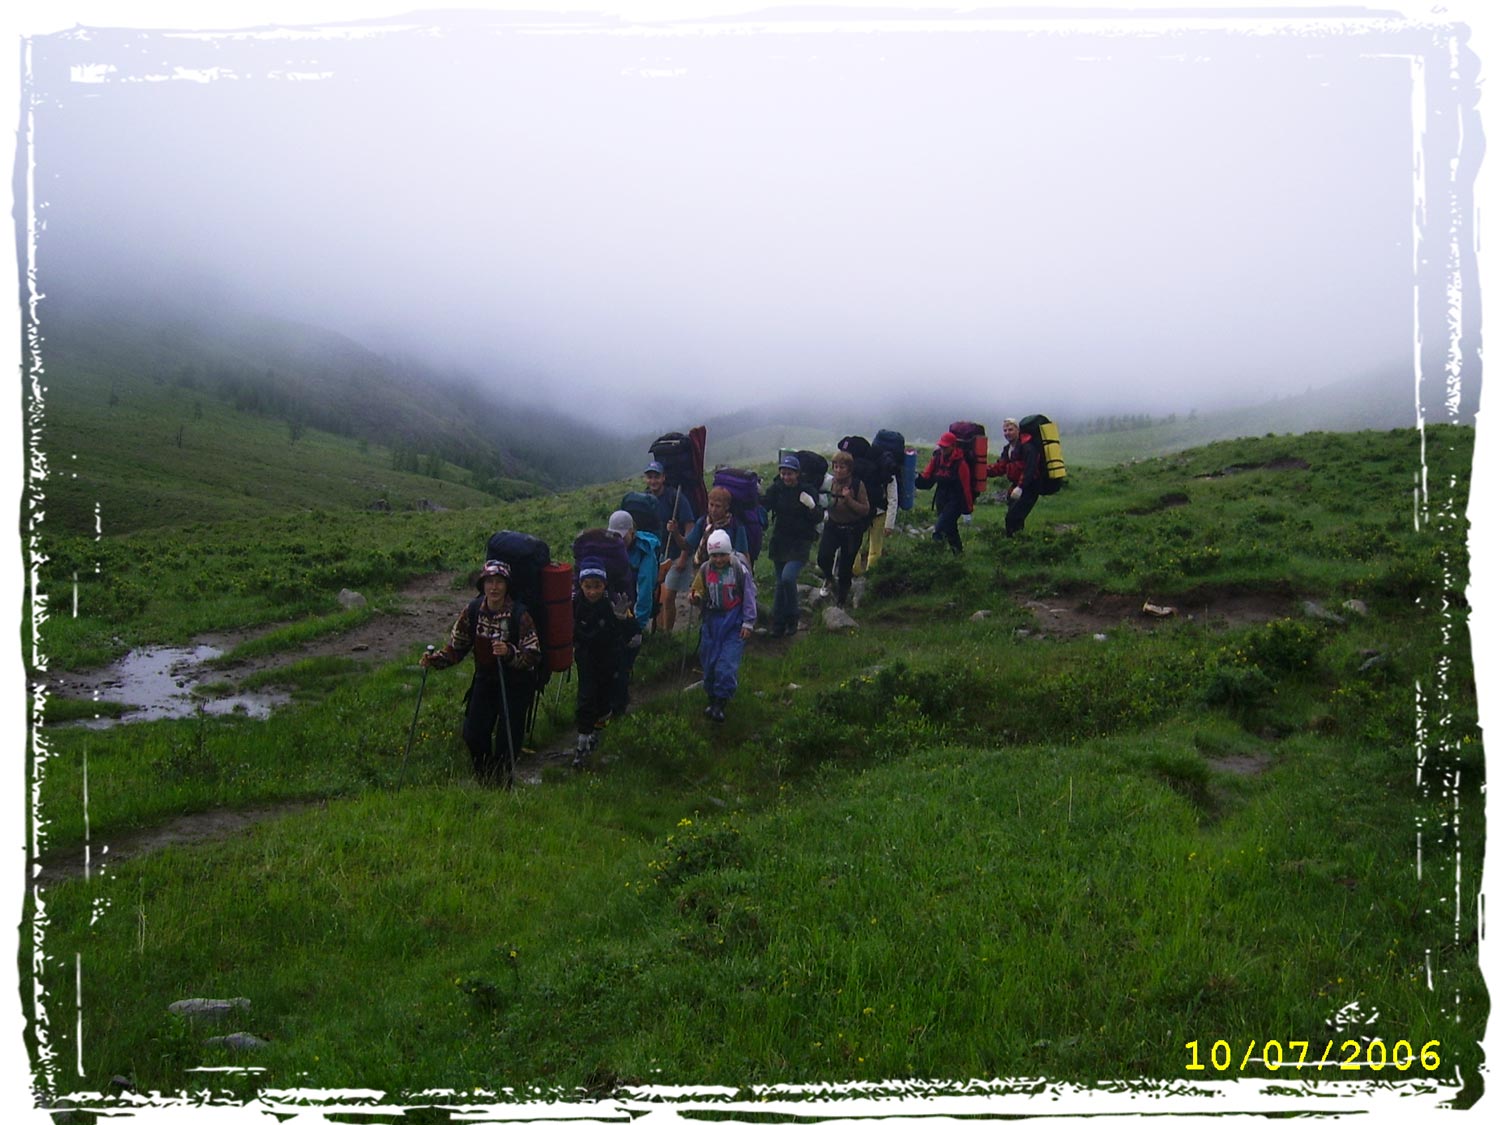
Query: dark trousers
{"points": [[1015, 515], [950, 504], [784, 609], [619, 689], [841, 542], [596, 670], [485, 727]]}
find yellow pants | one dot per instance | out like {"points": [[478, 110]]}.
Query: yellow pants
{"points": [[873, 545]]}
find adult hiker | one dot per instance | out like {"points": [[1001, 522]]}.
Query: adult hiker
{"points": [[725, 588], [794, 511], [506, 649], [947, 473], [1009, 465], [673, 573], [848, 507], [641, 548], [720, 517], [599, 637], [1021, 462]]}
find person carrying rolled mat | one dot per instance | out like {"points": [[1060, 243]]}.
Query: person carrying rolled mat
{"points": [[504, 640]]}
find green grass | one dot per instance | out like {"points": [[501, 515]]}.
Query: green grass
{"points": [[937, 848]]}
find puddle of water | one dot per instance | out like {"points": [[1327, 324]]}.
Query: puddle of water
{"points": [[157, 682]]}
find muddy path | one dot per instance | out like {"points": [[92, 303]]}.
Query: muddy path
{"points": [[426, 610], [162, 682]]}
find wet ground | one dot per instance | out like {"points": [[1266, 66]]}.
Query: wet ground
{"points": [[159, 682]]}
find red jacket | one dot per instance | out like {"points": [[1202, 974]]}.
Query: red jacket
{"points": [[1011, 466], [948, 464]]}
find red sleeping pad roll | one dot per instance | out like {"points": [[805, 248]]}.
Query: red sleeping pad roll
{"points": [[557, 594]]}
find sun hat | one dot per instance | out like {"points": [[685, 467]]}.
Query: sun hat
{"points": [[948, 439], [621, 522]]}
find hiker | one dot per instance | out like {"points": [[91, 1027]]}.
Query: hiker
{"points": [[599, 637], [506, 651], [641, 547], [673, 574], [794, 525], [720, 517], [948, 473], [889, 452], [1008, 466], [725, 588], [1021, 463], [848, 507]]}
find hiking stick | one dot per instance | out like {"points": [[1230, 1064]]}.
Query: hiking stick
{"points": [[409, 734], [687, 644], [510, 746]]}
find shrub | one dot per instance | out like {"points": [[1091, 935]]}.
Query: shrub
{"points": [[925, 565]]}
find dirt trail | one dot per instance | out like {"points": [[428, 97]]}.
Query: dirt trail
{"points": [[427, 608]]}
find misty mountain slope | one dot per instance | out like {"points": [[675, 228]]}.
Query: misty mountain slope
{"points": [[138, 451], [312, 377]]}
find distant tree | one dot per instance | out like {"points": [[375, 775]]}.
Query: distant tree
{"points": [[197, 411], [295, 426]]}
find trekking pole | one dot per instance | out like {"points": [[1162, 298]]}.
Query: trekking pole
{"points": [[510, 746], [687, 646], [409, 734]]}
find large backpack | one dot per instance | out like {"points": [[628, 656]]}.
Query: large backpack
{"points": [[743, 486], [976, 450], [814, 469], [610, 552], [681, 456], [644, 510], [527, 556], [1043, 431], [868, 471], [889, 451]]}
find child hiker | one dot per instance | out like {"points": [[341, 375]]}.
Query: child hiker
{"points": [[599, 636], [725, 589]]}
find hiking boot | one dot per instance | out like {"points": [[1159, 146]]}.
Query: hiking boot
{"points": [[585, 748], [708, 712], [716, 710]]}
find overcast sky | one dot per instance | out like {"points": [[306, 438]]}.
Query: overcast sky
{"points": [[1146, 214]]}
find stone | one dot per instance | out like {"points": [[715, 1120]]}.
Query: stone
{"points": [[1316, 610], [237, 1041], [1355, 606], [199, 1008], [836, 618], [348, 599], [979, 615]]}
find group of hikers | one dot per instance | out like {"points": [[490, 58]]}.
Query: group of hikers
{"points": [[628, 575]]}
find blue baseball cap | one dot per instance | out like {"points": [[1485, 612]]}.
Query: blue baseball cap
{"points": [[791, 462]]}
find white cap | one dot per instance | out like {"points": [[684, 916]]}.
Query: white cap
{"points": [[718, 543]]}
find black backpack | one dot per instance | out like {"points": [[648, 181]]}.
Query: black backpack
{"points": [[867, 471], [526, 555], [644, 510], [814, 470], [889, 451], [1043, 431]]}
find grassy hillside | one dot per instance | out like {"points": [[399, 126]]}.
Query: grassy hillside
{"points": [[941, 847]]}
